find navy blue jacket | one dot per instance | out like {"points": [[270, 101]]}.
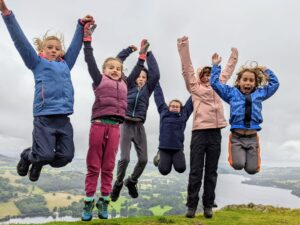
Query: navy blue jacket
{"points": [[54, 93], [172, 124], [138, 98]]}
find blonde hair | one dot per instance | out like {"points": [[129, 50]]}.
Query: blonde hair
{"points": [[40, 42], [112, 59], [261, 78]]}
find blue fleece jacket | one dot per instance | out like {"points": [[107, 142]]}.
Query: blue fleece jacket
{"points": [[239, 102], [172, 124], [54, 93]]}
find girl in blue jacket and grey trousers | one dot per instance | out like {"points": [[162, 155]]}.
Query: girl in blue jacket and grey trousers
{"points": [[53, 98], [173, 118], [252, 86]]}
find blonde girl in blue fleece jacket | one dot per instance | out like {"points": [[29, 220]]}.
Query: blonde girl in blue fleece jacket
{"points": [[252, 86], [53, 98]]}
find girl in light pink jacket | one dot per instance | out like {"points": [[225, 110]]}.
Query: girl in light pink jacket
{"points": [[208, 120]]}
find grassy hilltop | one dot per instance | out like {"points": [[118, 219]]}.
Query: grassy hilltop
{"points": [[231, 215]]}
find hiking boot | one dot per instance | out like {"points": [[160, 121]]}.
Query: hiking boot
{"points": [[114, 195], [156, 159], [34, 172], [132, 189], [23, 164], [102, 206], [190, 213], [208, 213], [87, 213]]}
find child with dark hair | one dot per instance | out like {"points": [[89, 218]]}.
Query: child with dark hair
{"points": [[173, 118], [54, 95], [253, 85], [133, 130], [208, 120]]}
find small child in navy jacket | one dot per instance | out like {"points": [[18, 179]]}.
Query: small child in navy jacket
{"points": [[173, 118]]}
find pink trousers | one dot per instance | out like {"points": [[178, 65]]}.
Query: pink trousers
{"points": [[103, 146]]}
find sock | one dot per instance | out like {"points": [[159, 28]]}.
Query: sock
{"points": [[106, 198], [89, 199]]}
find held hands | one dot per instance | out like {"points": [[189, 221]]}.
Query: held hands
{"points": [[216, 59], [144, 48], [89, 26], [5, 11]]}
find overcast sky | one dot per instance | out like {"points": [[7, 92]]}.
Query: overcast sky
{"points": [[266, 31]]}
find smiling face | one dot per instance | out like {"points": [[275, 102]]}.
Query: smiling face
{"points": [[52, 49], [113, 69], [247, 82]]}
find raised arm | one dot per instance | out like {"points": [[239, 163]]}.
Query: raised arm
{"points": [[154, 74], [123, 54], [186, 63], [21, 43], [188, 106], [76, 44], [273, 84], [230, 66], [159, 98], [91, 63], [222, 90]]}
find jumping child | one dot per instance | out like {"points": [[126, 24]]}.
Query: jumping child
{"points": [[173, 118], [53, 99], [108, 112], [253, 85]]}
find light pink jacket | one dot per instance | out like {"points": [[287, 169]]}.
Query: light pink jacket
{"points": [[208, 109]]}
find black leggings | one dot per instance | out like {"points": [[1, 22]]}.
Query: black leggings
{"points": [[169, 158]]}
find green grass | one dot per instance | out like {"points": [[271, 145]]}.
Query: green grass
{"points": [[231, 215], [158, 211]]}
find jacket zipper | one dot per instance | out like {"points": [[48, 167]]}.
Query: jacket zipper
{"points": [[136, 99]]}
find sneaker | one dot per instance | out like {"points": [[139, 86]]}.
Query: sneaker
{"points": [[190, 213], [208, 213], [23, 164], [114, 195], [87, 213], [34, 172], [156, 159], [132, 189], [102, 206]]}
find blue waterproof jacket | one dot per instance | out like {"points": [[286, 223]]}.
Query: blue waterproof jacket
{"points": [[54, 93], [138, 98], [172, 124], [245, 110]]}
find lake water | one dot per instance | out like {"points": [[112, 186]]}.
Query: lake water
{"points": [[229, 191]]}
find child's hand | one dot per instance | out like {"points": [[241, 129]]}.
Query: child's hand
{"points": [[3, 8], [88, 18], [216, 59], [88, 29], [234, 53], [182, 41], [133, 48], [144, 48]]}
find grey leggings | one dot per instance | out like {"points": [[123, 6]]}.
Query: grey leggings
{"points": [[244, 152], [132, 132]]}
